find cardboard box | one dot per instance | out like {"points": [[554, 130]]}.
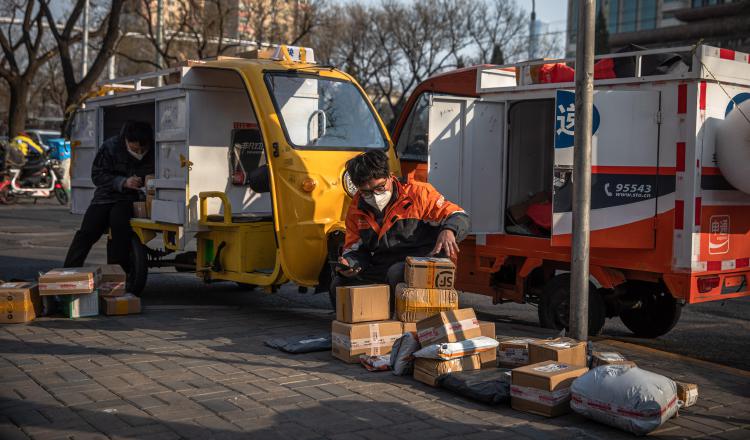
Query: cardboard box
{"points": [[599, 358], [80, 306], [111, 288], [69, 281], [514, 352], [139, 210], [565, 350], [127, 304], [428, 371], [112, 272], [488, 358], [543, 388], [429, 272], [687, 392], [19, 302], [363, 303], [451, 326], [414, 304], [409, 327], [350, 341]]}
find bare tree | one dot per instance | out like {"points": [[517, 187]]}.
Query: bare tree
{"points": [[24, 53], [77, 86]]}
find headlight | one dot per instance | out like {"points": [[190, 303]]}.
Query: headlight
{"points": [[349, 187]]}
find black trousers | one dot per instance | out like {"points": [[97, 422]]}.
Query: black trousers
{"points": [[392, 276], [97, 220]]}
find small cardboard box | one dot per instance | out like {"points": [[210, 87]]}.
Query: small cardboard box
{"points": [[429, 272], [19, 302], [565, 350], [112, 273], [410, 327], [80, 306], [451, 326], [687, 392], [127, 304], [350, 341], [428, 371], [414, 304], [599, 358], [111, 288], [514, 352], [363, 303], [69, 281], [488, 358], [543, 388]]}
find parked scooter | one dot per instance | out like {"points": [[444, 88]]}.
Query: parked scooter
{"points": [[37, 178]]}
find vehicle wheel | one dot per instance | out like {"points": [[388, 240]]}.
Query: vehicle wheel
{"points": [[554, 306], [7, 197], [136, 277], [61, 196], [657, 315]]}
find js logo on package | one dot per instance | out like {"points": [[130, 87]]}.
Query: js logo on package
{"points": [[444, 279], [718, 237]]}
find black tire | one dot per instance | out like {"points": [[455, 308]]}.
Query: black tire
{"points": [[61, 196], [7, 197], [658, 313], [554, 306], [138, 273]]}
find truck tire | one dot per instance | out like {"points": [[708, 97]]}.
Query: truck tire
{"points": [[554, 306], [658, 314], [136, 277]]}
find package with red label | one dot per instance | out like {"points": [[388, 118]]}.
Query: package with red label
{"points": [[543, 388], [449, 326], [69, 281], [350, 341]]}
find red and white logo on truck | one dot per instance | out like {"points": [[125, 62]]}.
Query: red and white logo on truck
{"points": [[718, 237]]}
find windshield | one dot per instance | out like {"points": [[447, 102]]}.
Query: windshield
{"points": [[324, 113], [46, 137]]}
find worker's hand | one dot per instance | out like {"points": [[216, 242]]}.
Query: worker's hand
{"points": [[347, 272], [133, 182], [446, 243]]}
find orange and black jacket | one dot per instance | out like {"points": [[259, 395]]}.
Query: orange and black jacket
{"points": [[409, 226]]}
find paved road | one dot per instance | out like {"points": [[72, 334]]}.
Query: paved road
{"points": [[34, 238]]}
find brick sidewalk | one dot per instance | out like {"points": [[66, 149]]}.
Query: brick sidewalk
{"points": [[203, 372]]}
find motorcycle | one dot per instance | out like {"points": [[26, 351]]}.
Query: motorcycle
{"points": [[38, 178]]}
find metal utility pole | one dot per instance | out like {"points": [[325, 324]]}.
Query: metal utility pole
{"points": [[532, 31], [579, 263], [159, 36], [85, 55]]}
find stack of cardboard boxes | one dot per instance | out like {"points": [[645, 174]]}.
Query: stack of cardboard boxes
{"points": [[76, 289], [428, 289], [114, 300]]}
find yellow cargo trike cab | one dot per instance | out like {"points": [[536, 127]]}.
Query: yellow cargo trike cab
{"points": [[250, 184]]}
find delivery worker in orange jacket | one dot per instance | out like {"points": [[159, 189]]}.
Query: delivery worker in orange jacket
{"points": [[389, 220]]}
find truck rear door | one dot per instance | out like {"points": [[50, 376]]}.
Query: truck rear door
{"points": [[625, 168]]}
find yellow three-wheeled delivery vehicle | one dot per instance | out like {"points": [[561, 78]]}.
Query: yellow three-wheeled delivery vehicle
{"points": [[250, 153]]}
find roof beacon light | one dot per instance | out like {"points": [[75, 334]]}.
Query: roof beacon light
{"points": [[283, 52]]}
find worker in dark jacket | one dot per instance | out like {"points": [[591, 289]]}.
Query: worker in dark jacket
{"points": [[119, 172], [389, 220]]}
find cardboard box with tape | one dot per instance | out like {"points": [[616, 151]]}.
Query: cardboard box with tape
{"points": [[414, 304], [565, 350], [451, 326], [687, 392], [126, 304], [363, 303], [514, 352], [428, 371], [69, 281], [350, 341], [599, 358], [429, 272], [488, 358], [19, 302], [543, 388], [111, 288], [80, 306]]}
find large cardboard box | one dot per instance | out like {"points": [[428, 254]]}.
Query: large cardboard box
{"points": [[414, 304], [451, 326], [514, 352], [543, 388], [350, 341], [127, 304], [69, 281], [488, 358], [112, 273], [565, 350], [428, 371], [430, 272], [19, 302], [363, 303], [80, 306]]}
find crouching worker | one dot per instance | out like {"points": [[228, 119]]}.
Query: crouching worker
{"points": [[119, 172], [389, 220]]}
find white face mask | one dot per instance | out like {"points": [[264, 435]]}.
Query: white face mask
{"points": [[138, 156], [378, 201]]}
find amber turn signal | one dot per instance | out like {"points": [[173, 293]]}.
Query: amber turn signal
{"points": [[309, 184]]}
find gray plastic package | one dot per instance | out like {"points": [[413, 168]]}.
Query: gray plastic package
{"points": [[626, 397], [301, 344], [402, 354]]}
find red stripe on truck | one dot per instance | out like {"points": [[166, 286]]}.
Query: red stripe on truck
{"points": [[679, 214], [697, 211], [742, 262], [713, 265], [680, 162], [702, 98], [726, 54], [681, 99]]}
